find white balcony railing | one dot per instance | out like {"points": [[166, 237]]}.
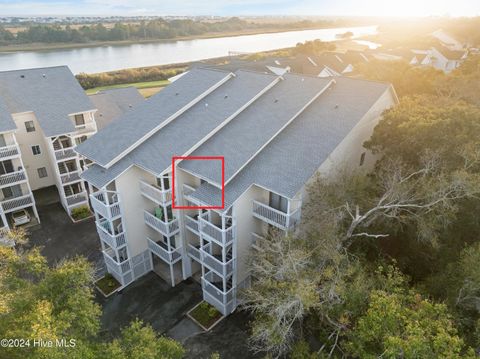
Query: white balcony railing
{"points": [[10, 205], [214, 263], [166, 228], [106, 203], [77, 198], [279, 219], [9, 179], [222, 236], [225, 302], [194, 252], [113, 240], [70, 177], [191, 223], [9, 151], [65, 153], [256, 238], [119, 268], [161, 250], [154, 193]]}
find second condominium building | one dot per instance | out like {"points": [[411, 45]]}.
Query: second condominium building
{"points": [[45, 113], [274, 134]]}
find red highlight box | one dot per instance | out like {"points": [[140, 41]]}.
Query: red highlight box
{"points": [[200, 158]]}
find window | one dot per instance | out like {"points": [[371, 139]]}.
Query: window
{"points": [[36, 150], [42, 172], [79, 120], [362, 158], [29, 126], [12, 192], [6, 167]]}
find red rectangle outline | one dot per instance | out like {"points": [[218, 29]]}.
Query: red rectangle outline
{"points": [[176, 158]]}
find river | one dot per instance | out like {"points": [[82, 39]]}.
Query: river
{"points": [[115, 57]]}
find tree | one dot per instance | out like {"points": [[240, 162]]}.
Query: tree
{"points": [[400, 323], [316, 271], [39, 302], [140, 341], [314, 47]]}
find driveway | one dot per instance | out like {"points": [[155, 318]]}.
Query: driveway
{"points": [[60, 238], [155, 302]]}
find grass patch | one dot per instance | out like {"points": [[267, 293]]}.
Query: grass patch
{"points": [[205, 314], [138, 85], [107, 284], [149, 92], [81, 212]]}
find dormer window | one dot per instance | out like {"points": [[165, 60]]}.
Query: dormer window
{"points": [[79, 121]]}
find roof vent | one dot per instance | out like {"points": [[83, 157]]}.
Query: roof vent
{"points": [[336, 106], [226, 96], [176, 93], [22, 76], [130, 106], [303, 79], [276, 100], [44, 75], [206, 105]]}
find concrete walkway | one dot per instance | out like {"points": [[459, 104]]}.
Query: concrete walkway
{"points": [[152, 300]]}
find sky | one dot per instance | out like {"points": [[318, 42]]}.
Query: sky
{"points": [[241, 7]]}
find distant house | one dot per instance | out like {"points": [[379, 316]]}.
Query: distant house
{"points": [[445, 59], [111, 104], [448, 41], [326, 65]]}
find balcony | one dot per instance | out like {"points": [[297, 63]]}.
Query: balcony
{"points": [[10, 205], [225, 302], [154, 193], [111, 262], [256, 238], [166, 228], [11, 178], [9, 151], [222, 236], [279, 219], [161, 249], [86, 129], [106, 203], [115, 240], [192, 223], [70, 177], [214, 262], [65, 154], [77, 198], [187, 191], [194, 252]]}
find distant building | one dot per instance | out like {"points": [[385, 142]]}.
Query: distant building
{"points": [[274, 132], [111, 104], [44, 114], [448, 41]]}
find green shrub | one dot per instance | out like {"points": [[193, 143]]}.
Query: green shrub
{"points": [[80, 212]]}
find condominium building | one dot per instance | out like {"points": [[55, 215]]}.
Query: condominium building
{"points": [[44, 113], [274, 133]]}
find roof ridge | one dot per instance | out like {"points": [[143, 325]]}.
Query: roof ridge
{"points": [[36, 68]]}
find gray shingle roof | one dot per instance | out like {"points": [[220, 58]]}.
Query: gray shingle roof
{"points": [[6, 120], [287, 163], [252, 129], [111, 104], [180, 135], [123, 134], [51, 93]]}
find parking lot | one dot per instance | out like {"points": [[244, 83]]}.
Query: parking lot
{"points": [[150, 298]]}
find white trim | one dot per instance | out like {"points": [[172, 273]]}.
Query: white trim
{"points": [[168, 120], [226, 121], [330, 83]]}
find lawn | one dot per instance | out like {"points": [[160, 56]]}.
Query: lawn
{"points": [[107, 284], [205, 314], [138, 85]]}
